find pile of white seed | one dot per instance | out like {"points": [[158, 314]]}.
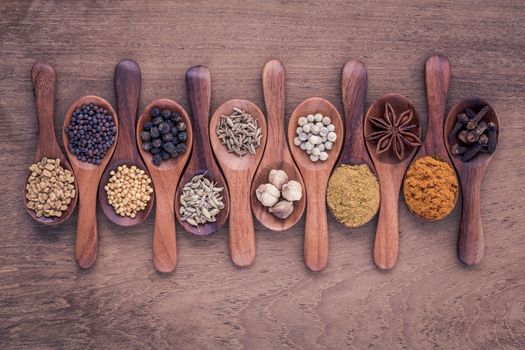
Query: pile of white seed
{"points": [[315, 135]]}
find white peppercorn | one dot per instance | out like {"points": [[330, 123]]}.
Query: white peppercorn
{"points": [[315, 135]]}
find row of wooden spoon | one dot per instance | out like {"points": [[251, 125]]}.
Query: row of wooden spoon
{"points": [[240, 176]]}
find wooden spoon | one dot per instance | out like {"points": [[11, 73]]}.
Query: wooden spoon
{"points": [[198, 84], [354, 83], [88, 177], [315, 176], [44, 90], [239, 173], [165, 178], [127, 90], [471, 241], [437, 80], [277, 154], [390, 171]]}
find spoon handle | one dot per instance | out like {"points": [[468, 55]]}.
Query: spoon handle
{"points": [[242, 232], [127, 91], [198, 85], [164, 235], [273, 89], [354, 82], [437, 81], [44, 90], [387, 232], [87, 237], [316, 225], [471, 240]]}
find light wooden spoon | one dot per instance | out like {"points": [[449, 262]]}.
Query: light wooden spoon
{"points": [[198, 85], [277, 154], [315, 176], [165, 178], [44, 90], [127, 90], [354, 84], [88, 177], [471, 244], [437, 81], [239, 174], [390, 171]]}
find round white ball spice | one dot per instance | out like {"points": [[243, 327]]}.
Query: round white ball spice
{"points": [[302, 121], [297, 141], [307, 128], [310, 118], [323, 156], [331, 127], [326, 120], [314, 158], [318, 117], [332, 136], [314, 140]]}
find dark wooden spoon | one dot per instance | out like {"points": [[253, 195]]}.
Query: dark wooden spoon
{"points": [[165, 178], [88, 177], [198, 85], [239, 173], [277, 154], [354, 83], [437, 81], [390, 171], [44, 90], [127, 90], [315, 176], [471, 239]]}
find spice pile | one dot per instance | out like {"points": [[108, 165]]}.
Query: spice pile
{"points": [[128, 190], [50, 188], [278, 186], [472, 135], [353, 194], [394, 131], [239, 132], [200, 201], [164, 136], [430, 188], [91, 133], [315, 135]]}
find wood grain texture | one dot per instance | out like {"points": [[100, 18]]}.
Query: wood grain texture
{"points": [[239, 173], [471, 239], [430, 300], [390, 172], [127, 79], [165, 178]]}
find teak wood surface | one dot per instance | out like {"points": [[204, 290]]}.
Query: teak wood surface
{"points": [[429, 300], [277, 154], [165, 177]]}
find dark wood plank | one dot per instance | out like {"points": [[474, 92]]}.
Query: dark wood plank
{"points": [[429, 300]]}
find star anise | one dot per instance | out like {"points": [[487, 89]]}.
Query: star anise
{"points": [[394, 131]]}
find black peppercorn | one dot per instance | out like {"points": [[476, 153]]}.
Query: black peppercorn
{"points": [[145, 135], [167, 137], [181, 126], [157, 159], [148, 125], [157, 120], [181, 148], [164, 128], [169, 147], [146, 146], [155, 112], [154, 131], [166, 113], [156, 142], [155, 150], [182, 136], [165, 155]]}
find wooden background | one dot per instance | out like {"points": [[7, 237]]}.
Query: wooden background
{"points": [[428, 301]]}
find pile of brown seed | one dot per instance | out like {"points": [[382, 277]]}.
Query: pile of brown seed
{"points": [[50, 188], [200, 201], [239, 132]]}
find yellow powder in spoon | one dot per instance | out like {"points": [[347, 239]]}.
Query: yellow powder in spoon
{"points": [[353, 194]]}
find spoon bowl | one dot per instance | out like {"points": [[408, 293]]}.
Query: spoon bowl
{"points": [[127, 89], [471, 244], [315, 176], [88, 178], [390, 171], [277, 153], [239, 173], [198, 85], [165, 178], [44, 89]]}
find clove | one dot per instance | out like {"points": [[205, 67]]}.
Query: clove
{"points": [[483, 139], [461, 120], [473, 122], [492, 131], [470, 113], [473, 135], [457, 149], [471, 152], [462, 136]]}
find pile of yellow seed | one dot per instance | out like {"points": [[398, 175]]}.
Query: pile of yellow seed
{"points": [[128, 190], [50, 188]]}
